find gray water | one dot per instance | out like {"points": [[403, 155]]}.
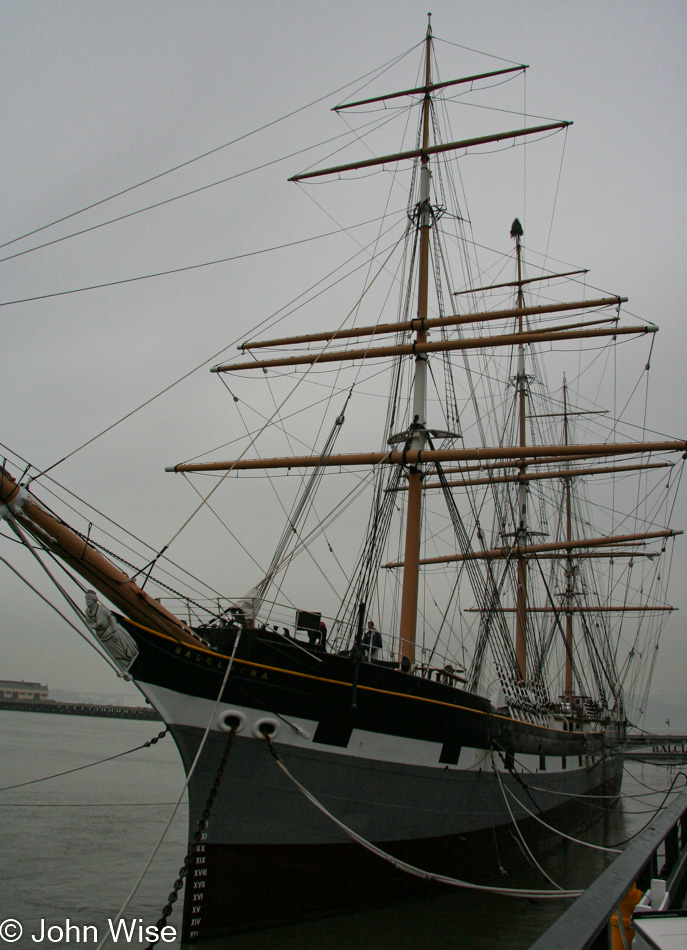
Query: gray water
{"points": [[71, 849]]}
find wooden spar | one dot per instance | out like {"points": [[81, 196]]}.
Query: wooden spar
{"points": [[431, 150], [425, 90], [96, 569], [544, 548], [581, 324], [574, 610], [599, 555], [537, 476], [430, 323], [411, 567], [515, 283], [552, 460], [439, 346], [416, 457]]}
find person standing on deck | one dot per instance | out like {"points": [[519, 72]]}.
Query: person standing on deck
{"points": [[371, 641]]}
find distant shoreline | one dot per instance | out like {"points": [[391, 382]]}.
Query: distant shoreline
{"points": [[79, 709]]}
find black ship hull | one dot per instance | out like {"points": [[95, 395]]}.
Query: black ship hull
{"points": [[429, 773]]}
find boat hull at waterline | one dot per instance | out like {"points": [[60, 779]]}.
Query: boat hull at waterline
{"points": [[429, 773]]}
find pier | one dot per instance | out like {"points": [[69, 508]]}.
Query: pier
{"points": [[79, 709], [655, 860], [660, 749]]}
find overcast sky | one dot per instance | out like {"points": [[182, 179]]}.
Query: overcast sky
{"points": [[98, 97]]}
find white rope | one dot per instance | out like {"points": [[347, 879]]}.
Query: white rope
{"points": [[178, 801], [409, 868], [581, 796], [528, 853], [587, 844]]}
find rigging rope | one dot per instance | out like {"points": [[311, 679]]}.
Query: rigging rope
{"points": [[166, 201], [486, 592], [361, 586], [78, 768], [173, 270], [92, 643], [373, 72], [63, 616], [302, 507]]}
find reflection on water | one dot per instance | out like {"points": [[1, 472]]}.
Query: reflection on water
{"points": [[73, 847]]}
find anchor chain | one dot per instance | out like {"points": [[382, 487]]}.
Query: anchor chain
{"points": [[195, 840], [155, 739]]}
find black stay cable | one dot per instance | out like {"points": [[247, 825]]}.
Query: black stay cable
{"points": [[206, 154], [78, 768]]}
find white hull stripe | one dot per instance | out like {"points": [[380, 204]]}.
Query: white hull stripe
{"points": [[194, 712]]}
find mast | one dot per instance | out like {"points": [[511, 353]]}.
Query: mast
{"points": [[412, 451], [521, 529], [411, 570], [570, 566]]}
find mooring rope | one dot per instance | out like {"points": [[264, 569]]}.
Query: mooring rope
{"points": [[586, 844], [78, 768], [526, 850], [409, 868]]}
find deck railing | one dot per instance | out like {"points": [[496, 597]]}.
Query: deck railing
{"points": [[660, 851]]}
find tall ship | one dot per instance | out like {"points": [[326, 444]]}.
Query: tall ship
{"points": [[436, 664]]}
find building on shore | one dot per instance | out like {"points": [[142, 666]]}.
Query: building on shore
{"points": [[14, 689]]}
